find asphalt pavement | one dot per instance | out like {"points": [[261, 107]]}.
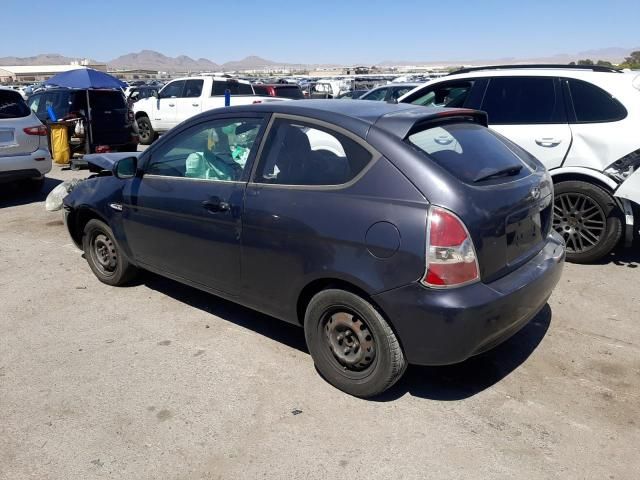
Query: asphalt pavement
{"points": [[161, 381]]}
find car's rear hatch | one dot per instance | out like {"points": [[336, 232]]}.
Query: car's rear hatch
{"points": [[503, 195], [110, 120], [15, 117]]}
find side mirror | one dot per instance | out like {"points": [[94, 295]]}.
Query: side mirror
{"points": [[154, 93], [126, 168]]}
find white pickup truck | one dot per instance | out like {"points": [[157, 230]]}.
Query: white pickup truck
{"points": [[185, 97]]}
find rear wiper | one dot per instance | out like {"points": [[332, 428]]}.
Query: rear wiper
{"points": [[505, 172]]}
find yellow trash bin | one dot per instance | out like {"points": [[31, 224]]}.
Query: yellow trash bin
{"points": [[60, 149]]}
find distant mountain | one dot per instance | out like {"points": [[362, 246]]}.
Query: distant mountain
{"points": [[612, 54], [151, 60], [43, 59], [249, 63]]}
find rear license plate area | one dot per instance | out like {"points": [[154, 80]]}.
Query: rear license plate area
{"points": [[524, 230], [6, 136]]}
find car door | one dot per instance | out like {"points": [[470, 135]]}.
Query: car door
{"points": [[530, 111], [303, 166], [189, 103], [182, 212], [166, 111]]}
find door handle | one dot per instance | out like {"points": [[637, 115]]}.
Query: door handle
{"points": [[215, 205], [548, 141], [195, 104], [172, 104]]}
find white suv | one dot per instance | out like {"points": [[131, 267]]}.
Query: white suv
{"points": [[583, 123], [24, 145]]}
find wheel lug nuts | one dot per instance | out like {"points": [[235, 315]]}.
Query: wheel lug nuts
{"points": [[347, 351]]}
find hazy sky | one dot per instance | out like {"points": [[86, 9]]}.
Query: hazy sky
{"points": [[317, 31]]}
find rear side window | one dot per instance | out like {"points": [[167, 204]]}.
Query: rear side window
{"points": [[469, 151], [592, 104], [523, 100], [305, 154], [236, 88], [12, 105], [193, 88]]}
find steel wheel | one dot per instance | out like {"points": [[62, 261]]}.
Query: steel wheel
{"points": [[104, 254], [580, 220], [350, 341]]}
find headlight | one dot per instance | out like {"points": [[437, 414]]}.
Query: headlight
{"points": [[621, 169]]}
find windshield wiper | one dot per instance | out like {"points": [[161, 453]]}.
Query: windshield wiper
{"points": [[505, 172]]}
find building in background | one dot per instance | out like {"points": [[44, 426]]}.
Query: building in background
{"points": [[26, 74]]}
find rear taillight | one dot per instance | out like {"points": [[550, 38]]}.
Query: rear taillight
{"points": [[451, 257], [40, 131], [103, 149]]}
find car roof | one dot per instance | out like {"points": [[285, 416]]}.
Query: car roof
{"points": [[359, 116], [214, 77]]}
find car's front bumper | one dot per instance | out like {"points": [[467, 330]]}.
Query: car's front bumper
{"points": [[438, 327], [18, 167]]}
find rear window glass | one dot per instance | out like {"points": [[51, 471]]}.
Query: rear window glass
{"points": [[12, 105], [292, 91], [592, 104], [468, 151], [107, 100]]}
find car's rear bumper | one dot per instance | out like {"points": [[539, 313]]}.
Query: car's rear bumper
{"points": [[19, 167], [438, 327]]}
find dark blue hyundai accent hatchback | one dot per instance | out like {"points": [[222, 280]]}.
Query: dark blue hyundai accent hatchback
{"points": [[394, 234]]}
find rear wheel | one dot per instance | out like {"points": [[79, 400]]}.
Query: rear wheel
{"points": [[588, 219], [351, 344], [145, 131], [104, 255]]}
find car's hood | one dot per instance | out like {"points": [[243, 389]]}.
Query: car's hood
{"points": [[106, 161]]}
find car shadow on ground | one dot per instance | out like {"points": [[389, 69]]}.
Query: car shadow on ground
{"points": [[623, 256], [464, 380], [283, 332], [453, 382], [16, 193]]}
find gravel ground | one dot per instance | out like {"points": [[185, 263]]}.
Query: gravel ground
{"points": [[160, 381]]}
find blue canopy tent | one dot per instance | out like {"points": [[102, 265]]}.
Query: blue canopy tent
{"points": [[86, 78]]}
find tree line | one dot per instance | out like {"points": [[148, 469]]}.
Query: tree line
{"points": [[632, 61]]}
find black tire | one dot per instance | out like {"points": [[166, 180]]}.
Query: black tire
{"points": [[145, 131], [588, 219], [35, 185], [104, 256], [375, 360]]}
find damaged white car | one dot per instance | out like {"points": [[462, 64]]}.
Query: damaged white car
{"points": [[582, 122]]}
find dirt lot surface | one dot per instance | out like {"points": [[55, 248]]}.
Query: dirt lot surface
{"points": [[160, 381]]}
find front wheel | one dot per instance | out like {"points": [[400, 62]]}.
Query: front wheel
{"points": [[351, 344], [588, 219], [145, 131], [104, 255]]}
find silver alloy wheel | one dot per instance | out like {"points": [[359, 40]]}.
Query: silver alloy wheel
{"points": [[580, 220]]}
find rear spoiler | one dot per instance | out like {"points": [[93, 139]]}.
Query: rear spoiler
{"points": [[404, 122], [453, 115]]}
